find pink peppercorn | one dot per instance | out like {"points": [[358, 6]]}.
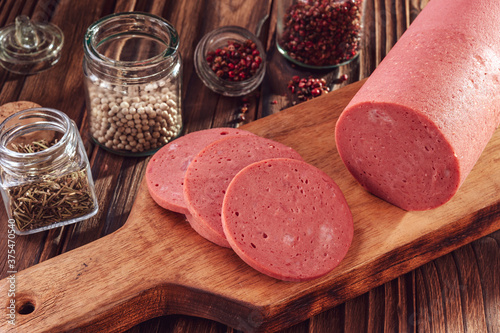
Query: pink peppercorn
{"points": [[307, 88], [235, 62], [321, 32]]}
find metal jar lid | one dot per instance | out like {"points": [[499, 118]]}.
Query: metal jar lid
{"points": [[30, 47]]}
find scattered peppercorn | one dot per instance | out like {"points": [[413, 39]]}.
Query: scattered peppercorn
{"points": [[307, 88], [236, 61], [322, 32], [241, 111]]}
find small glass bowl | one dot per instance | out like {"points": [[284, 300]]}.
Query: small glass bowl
{"points": [[332, 37], [219, 38]]}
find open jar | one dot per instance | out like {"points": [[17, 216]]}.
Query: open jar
{"points": [[319, 34], [45, 176], [133, 82]]}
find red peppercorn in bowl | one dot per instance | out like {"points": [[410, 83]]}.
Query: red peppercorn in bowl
{"points": [[230, 61], [319, 34]]}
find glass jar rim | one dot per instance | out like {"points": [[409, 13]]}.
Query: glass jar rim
{"points": [[91, 50], [63, 119]]}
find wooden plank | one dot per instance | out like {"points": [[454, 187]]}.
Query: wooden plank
{"points": [[410, 317], [157, 263], [204, 108], [39, 247]]}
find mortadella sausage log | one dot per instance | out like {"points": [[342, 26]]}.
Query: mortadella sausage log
{"points": [[413, 132]]}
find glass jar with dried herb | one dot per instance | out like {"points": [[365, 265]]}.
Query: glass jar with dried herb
{"points": [[45, 176]]}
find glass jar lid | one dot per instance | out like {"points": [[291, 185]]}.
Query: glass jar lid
{"points": [[30, 47]]}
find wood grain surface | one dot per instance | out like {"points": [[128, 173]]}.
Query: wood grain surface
{"points": [[457, 292], [158, 264]]}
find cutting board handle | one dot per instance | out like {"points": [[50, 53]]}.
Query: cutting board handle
{"points": [[118, 281], [80, 288]]}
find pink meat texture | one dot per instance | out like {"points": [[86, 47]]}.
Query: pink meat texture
{"points": [[210, 172], [166, 169], [415, 129], [287, 219]]}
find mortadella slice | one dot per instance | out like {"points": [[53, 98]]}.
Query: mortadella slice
{"points": [[415, 129], [166, 169], [287, 219], [210, 172]]}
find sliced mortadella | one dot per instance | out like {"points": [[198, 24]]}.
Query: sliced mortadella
{"points": [[166, 169], [212, 170], [287, 219], [415, 129]]}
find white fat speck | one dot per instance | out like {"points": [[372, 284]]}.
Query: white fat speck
{"points": [[378, 116], [186, 163], [446, 173], [288, 240], [326, 233]]}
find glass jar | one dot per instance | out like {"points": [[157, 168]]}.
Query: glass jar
{"points": [[45, 176], [230, 61], [133, 75], [319, 34]]}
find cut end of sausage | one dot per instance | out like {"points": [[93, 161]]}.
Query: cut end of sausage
{"points": [[398, 155], [287, 219]]}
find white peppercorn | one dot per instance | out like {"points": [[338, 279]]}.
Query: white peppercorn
{"points": [[145, 120], [129, 87]]}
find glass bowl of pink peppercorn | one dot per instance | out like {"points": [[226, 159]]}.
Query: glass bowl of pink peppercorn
{"points": [[230, 61], [320, 34]]}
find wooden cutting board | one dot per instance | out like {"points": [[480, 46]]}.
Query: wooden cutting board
{"points": [[156, 265]]}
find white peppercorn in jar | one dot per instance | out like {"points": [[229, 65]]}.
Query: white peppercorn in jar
{"points": [[133, 82]]}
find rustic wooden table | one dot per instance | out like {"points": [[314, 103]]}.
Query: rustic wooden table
{"points": [[457, 292]]}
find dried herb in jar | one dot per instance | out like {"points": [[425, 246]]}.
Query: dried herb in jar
{"points": [[322, 32], [34, 147], [52, 199]]}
